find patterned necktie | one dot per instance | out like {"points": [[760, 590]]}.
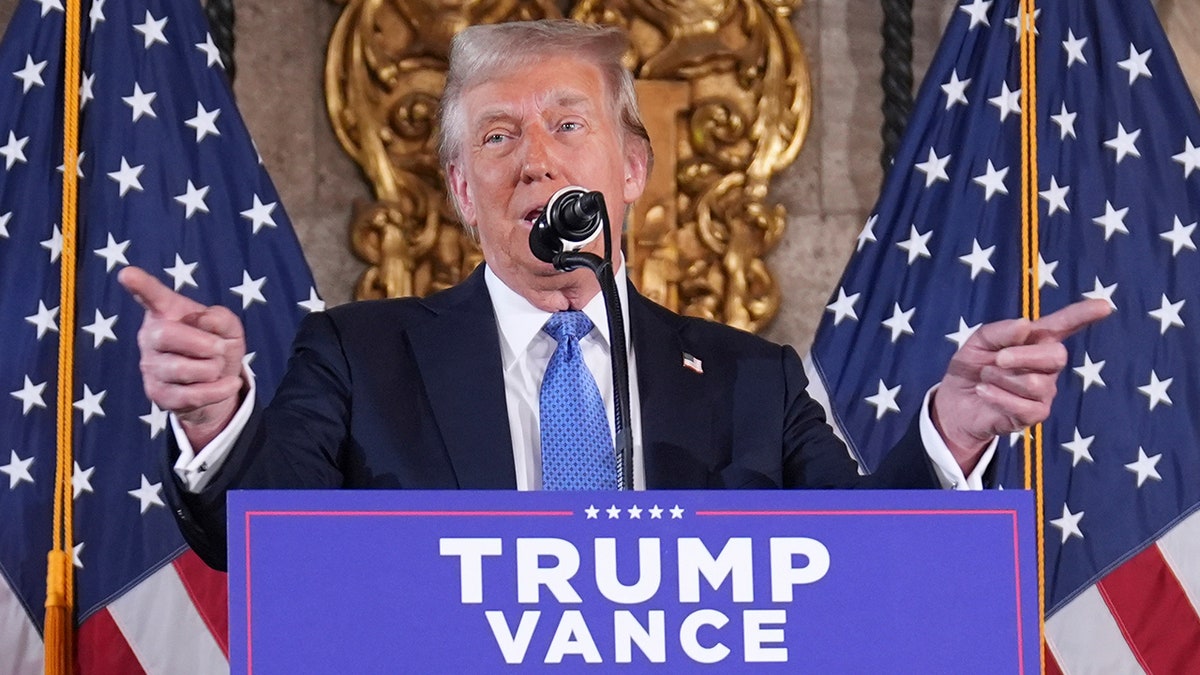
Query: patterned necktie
{"points": [[577, 446]]}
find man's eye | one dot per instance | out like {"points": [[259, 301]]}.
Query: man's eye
{"points": [[492, 139], [570, 126]]}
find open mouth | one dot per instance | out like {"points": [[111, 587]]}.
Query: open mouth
{"points": [[532, 215]]}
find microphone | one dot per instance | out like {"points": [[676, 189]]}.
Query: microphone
{"points": [[571, 220]]}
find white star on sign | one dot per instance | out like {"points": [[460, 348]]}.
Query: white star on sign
{"points": [[81, 480], [14, 150], [313, 303], [1046, 273], [89, 405], [1180, 237], [934, 168], [956, 90], [635, 511], [900, 323], [182, 273], [868, 232], [127, 177], [31, 75], [655, 512], [147, 494], [993, 181], [113, 253], [1089, 372], [964, 333], [1101, 292], [1074, 48], [592, 512], [1080, 448], [1007, 101], [250, 290], [53, 244], [884, 400], [1112, 221], [676, 512], [17, 470], [260, 215], [1014, 23], [1189, 158], [152, 30], [211, 53], [1136, 64], [1124, 144], [977, 10], [156, 419], [1167, 314], [30, 396], [613, 512], [1056, 197], [1156, 390], [48, 5], [980, 259], [205, 122], [193, 199], [44, 319], [843, 307], [1145, 467], [917, 244], [1066, 122], [101, 329], [1068, 524], [141, 102], [96, 13]]}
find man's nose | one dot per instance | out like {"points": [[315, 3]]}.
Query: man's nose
{"points": [[539, 161]]}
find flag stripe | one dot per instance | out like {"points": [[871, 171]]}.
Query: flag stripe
{"points": [[1086, 640], [1154, 614], [1052, 667], [101, 647], [207, 589], [22, 646], [1181, 548]]}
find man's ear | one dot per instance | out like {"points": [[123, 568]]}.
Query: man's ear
{"points": [[637, 162], [461, 195]]}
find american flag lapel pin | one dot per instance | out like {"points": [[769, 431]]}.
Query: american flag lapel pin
{"points": [[693, 363]]}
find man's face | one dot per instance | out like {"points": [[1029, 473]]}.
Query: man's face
{"points": [[530, 132]]}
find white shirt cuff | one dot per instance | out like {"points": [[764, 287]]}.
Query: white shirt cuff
{"points": [[196, 470], [948, 471]]}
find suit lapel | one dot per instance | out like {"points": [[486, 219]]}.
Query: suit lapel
{"points": [[458, 354]]}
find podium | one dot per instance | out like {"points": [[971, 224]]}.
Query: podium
{"points": [[658, 582]]}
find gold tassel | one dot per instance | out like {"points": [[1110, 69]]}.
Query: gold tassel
{"points": [[60, 615]]}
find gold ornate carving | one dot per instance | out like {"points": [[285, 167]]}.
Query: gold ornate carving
{"points": [[731, 106]]}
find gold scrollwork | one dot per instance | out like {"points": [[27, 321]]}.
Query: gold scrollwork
{"points": [[732, 107]]}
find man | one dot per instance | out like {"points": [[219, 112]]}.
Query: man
{"points": [[447, 391]]}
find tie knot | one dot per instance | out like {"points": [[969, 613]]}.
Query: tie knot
{"points": [[569, 324]]}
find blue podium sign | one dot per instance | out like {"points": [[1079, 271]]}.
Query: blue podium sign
{"points": [[808, 581]]}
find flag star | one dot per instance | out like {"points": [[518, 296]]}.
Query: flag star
{"points": [[1066, 122], [101, 329], [156, 419], [993, 181], [884, 400], [30, 396], [205, 122], [956, 90], [141, 102], [1074, 48], [193, 199], [635, 511], [1007, 101], [977, 10], [1112, 221], [1089, 372], [843, 307], [4, 218], [1180, 236], [1124, 144], [1167, 314], [53, 244], [1145, 467], [147, 494], [1046, 272], [934, 168], [96, 13], [314, 303], [152, 30], [676, 512], [1189, 158], [1014, 22], [1016, 437], [1101, 292], [1068, 524], [250, 290], [75, 555], [89, 405], [85, 89], [980, 259], [78, 165], [14, 150], [48, 5], [1156, 390], [127, 177], [43, 319], [613, 512], [900, 323], [1080, 448], [964, 333], [656, 512], [211, 53], [17, 469], [113, 253], [31, 75], [248, 359], [1056, 197], [182, 273], [260, 215], [1136, 64], [868, 232], [917, 244], [81, 480], [592, 512]]}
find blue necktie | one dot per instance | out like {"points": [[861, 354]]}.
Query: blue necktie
{"points": [[577, 447]]}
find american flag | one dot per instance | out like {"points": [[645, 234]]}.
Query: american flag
{"points": [[170, 182], [1118, 137]]}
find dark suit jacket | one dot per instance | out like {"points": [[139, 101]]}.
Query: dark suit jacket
{"points": [[409, 393]]}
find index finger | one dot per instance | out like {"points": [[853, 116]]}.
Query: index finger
{"points": [[154, 296], [1060, 325]]}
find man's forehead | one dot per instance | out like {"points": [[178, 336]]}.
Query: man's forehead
{"points": [[491, 102]]}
